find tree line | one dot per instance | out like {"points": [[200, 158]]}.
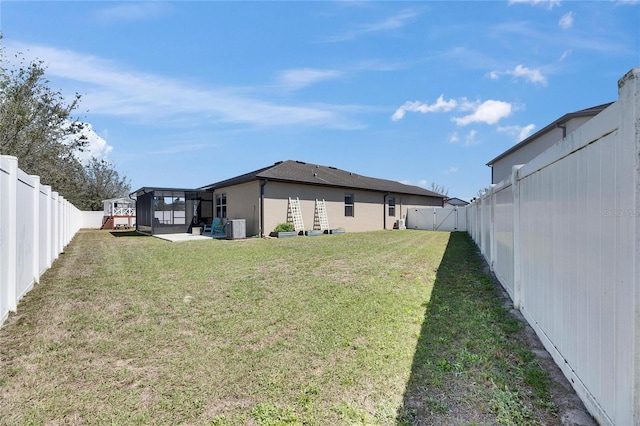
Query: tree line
{"points": [[37, 127]]}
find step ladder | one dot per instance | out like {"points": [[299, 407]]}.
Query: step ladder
{"points": [[294, 214], [320, 220]]}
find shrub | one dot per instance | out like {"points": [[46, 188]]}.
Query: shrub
{"points": [[285, 227]]}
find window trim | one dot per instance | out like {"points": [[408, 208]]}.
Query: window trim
{"points": [[221, 205], [350, 206], [391, 203]]}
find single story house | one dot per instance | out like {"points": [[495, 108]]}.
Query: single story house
{"points": [[539, 142], [261, 197]]}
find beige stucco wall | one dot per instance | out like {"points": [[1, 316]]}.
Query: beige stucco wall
{"points": [[243, 202], [369, 212]]}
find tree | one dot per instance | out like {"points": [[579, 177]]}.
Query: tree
{"points": [[102, 182], [439, 189], [37, 128]]}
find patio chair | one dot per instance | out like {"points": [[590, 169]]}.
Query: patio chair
{"points": [[216, 227]]}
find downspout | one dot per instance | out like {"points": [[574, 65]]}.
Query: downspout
{"points": [[384, 210], [564, 130], [262, 185]]}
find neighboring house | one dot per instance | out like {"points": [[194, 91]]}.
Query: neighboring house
{"points": [[539, 142], [119, 212], [455, 202], [261, 198]]}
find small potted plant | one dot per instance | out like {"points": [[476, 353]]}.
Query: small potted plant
{"points": [[284, 230]]}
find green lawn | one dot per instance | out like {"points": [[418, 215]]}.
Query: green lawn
{"points": [[389, 328]]}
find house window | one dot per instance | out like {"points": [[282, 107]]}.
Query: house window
{"points": [[392, 206], [221, 205], [348, 205]]}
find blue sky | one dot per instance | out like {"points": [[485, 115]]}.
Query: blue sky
{"points": [[183, 94]]}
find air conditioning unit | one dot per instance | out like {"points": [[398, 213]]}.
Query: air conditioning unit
{"points": [[400, 224], [236, 229]]}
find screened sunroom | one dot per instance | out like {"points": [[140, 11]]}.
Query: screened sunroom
{"points": [[171, 210]]}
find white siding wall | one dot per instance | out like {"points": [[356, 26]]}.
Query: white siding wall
{"points": [[566, 232], [35, 226], [502, 168]]}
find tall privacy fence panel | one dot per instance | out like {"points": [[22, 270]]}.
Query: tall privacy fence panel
{"points": [[36, 224], [563, 237]]}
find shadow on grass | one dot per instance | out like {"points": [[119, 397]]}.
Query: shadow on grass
{"points": [[471, 364], [128, 234]]}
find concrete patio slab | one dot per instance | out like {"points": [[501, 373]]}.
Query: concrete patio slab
{"points": [[175, 238]]}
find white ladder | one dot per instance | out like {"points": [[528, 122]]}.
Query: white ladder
{"points": [[321, 221], [294, 214]]}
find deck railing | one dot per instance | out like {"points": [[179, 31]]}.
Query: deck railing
{"points": [[124, 211]]}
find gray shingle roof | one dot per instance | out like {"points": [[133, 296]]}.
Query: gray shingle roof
{"points": [[313, 174]]}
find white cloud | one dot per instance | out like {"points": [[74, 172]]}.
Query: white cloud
{"points": [[531, 75], [397, 21], [135, 11], [454, 138], [565, 55], [111, 90], [489, 112], [423, 182], [96, 145], [470, 138], [451, 170], [439, 106], [519, 132], [298, 78], [549, 3], [520, 71], [466, 105], [566, 21]]}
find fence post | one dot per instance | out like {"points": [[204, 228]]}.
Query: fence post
{"points": [[629, 99], [492, 227], [517, 279], [481, 227], [477, 218], [36, 229], [55, 225], [46, 190], [433, 221], [9, 231]]}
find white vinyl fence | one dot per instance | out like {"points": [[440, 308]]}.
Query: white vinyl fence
{"points": [[35, 225], [437, 218], [563, 237]]}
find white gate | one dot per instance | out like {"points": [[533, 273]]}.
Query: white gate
{"points": [[437, 218]]}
